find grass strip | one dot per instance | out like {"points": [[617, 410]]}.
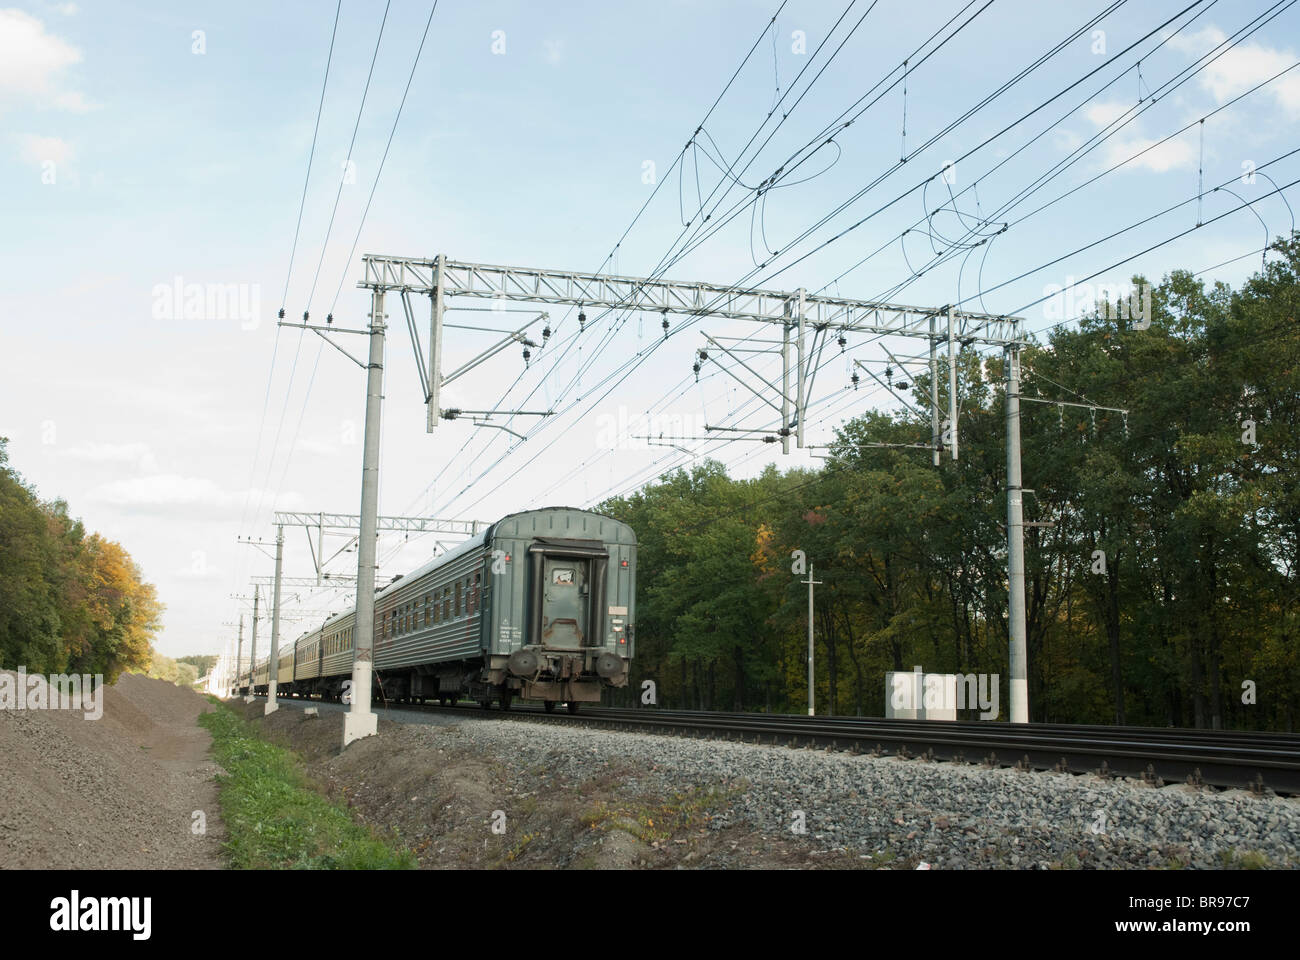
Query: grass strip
{"points": [[274, 817]]}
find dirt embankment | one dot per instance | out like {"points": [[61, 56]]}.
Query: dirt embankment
{"points": [[117, 792], [430, 789]]}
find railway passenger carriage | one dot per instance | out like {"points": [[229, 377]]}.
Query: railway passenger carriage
{"points": [[540, 605]]}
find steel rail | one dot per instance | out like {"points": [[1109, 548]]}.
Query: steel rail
{"points": [[1259, 762]]}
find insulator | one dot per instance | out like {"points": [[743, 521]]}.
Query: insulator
{"points": [[696, 368], [582, 320], [843, 340], [889, 375], [329, 318], [854, 378], [704, 355], [665, 326], [903, 384], [527, 356], [282, 313], [546, 333], [305, 315]]}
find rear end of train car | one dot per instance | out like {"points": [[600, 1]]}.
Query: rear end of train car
{"points": [[559, 626]]}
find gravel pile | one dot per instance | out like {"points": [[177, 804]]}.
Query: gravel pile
{"points": [[116, 792], [942, 815]]}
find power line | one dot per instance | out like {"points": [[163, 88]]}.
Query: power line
{"points": [[347, 161], [311, 156]]}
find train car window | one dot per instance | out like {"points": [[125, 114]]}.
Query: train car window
{"points": [[426, 609], [458, 598], [446, 603]]}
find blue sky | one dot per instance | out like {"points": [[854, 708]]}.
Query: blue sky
{"points": [[134, 152]]}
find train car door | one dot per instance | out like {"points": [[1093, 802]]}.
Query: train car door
{"points": [[566, 588]]}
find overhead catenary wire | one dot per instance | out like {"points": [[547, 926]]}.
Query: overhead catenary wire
{"points": [[642, 355]]}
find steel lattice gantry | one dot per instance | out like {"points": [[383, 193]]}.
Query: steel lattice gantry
{"points": [[439, 278], [349, 523], [533, 285], [796, 311], [352, 521]]}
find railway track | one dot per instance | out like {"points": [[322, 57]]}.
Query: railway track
{"points": [[1258, 762]]}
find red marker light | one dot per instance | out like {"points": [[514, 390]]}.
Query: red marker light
{"points": [[623, 563]]}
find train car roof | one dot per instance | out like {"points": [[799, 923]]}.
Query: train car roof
{"points": [[478, 541]]}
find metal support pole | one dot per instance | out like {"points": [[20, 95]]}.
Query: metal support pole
{"points": [[1015, 547], [239, 655], [811, 583], [785, 387], [952, 383], [801, 400], [360, 721], [934, 396], [252, 653], [435, 341], [273, 665]]}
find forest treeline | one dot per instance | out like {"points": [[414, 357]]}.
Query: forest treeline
{"points": [[70, 601], [1192, 498]]}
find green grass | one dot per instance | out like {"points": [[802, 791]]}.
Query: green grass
{"points": [[275, 819]]}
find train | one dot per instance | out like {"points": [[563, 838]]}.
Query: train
{"points": [[541, 605]]}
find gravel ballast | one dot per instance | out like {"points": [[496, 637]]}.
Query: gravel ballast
{"points": [[912, 813]]}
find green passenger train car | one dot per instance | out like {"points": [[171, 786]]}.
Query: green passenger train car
{"points": [[541, 606]]}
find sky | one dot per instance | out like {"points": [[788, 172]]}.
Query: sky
{"points": [[152, 150]]}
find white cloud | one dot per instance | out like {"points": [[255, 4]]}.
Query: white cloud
{"points": [[1067, 140], [33, 64], [308, 445], [38, 150], [1176, 154], [1124, 141], [1241, 67], [1104, 114], [167, 492], [134, 453]]}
